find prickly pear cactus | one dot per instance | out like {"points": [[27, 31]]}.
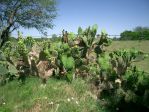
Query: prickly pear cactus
{"points": [[69, 64], [122, 59]]}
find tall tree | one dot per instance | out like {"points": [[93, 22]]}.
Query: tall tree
{"points": [[38, 14]]}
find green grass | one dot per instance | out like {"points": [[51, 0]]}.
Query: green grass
{"points": [[32, 97], [140, 45]]}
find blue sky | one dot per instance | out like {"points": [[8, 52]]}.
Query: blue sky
{"points": [[114, 16]]}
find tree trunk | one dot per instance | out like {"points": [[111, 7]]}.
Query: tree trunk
{"points": [[5, 36]]}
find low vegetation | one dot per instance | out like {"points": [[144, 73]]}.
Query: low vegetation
{"points": [[58, 95], [86, 74], [128, 44]]}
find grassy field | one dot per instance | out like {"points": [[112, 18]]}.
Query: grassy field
{"points": [[57, 96], [140, 45]]}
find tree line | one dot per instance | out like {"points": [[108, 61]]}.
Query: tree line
{"points": [[138, 33]]}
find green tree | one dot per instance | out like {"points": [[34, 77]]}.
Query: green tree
{"points": [[141, 29], [54, 36], [143, 32], [126, 35], [36, 14]]}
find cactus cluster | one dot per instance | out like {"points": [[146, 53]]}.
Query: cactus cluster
{"points": [[122, 59], [7, 71], [120, 81]]}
